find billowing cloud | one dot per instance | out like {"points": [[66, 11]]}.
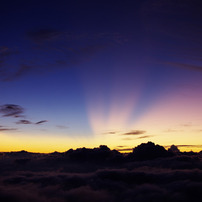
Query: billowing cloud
{"points": [[11, 110], [59, 177]]}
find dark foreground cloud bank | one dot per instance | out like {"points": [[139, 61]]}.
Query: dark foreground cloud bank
{"points": [[149, 173]]}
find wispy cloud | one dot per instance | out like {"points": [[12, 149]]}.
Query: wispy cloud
{"points": [[69, 49], [62, 127], [189, 145], [185, 66], [21, 71], [172, 131], [186, 124], [3, 128]]}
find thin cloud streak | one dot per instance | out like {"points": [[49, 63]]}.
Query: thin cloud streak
{"points": [[135, 132], [145, 136], [40, 122]]}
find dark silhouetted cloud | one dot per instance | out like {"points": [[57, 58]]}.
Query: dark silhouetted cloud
{"points": [[147, 151], [135, 132], [24, 122], [11, 110], [40, 122], [174, 149], [149, 173]]}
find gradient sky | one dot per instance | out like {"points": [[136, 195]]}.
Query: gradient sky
{"points": [[85, 73]]}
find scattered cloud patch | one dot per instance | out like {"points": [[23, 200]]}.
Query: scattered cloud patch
{"points": [[11, 110], [24, 122], [187, 124]]}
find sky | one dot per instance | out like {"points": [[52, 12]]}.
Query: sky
{"points": [[89, 73]]}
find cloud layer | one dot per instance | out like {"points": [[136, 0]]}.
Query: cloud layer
{"points": [[100, 174]]}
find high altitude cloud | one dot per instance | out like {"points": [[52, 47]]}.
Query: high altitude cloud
{"points": [[68, 48], [5, 54], [42, 35], [22, 70], [11, 110], [185, 66], [180, 22]]}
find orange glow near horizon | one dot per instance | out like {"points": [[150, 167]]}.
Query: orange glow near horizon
{"points": [[170, 120]]}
